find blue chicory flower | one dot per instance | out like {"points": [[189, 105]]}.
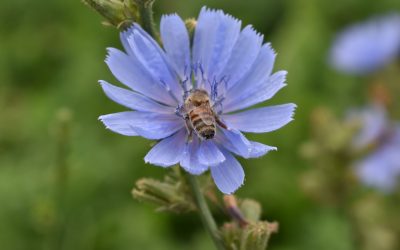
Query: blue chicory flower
{"points": [[365, 47], [381, 167], [231, 65]]}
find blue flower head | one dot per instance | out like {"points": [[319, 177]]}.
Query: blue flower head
{"points": [[194, 98], [381, 167], [365, 47]]}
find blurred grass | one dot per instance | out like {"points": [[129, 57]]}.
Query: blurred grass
{"points": [[51, 56]]}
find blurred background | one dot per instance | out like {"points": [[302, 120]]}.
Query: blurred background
{"points": [[65, 181]]}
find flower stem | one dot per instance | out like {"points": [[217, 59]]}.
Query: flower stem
{"points": [[205, 213], [145, 8]]}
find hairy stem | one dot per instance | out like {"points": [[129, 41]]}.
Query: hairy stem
{"points": [[204, 211], [145, 8]]}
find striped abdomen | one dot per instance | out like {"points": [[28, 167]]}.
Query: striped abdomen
{"points": [[203, 122]]}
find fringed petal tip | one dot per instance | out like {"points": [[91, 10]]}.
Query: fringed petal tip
{"points": [[109, 51], [168, 151], [258, 149], [249, 27], [269, 47], [117, 123], [171, 15], [195, 171], [229, 175], [294, 107]]}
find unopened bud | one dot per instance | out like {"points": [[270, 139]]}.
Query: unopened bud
{"points": [[118, 13], [251, 210], [233, 210], [246, 231], [171, 194], [256, 236], [191, 25]]}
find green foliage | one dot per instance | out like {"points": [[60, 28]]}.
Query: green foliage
{"points": [[51, 56]]}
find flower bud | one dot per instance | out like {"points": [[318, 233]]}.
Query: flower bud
{"points": [[171, 194], [246, 231], [251, 210], [254, 236], [118, 13], [190, 25]]}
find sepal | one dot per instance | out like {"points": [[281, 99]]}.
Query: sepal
{"points": [[171, 194], [246, 231], [118, 13]]}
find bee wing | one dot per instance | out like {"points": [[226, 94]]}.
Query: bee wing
{"points": [[207, 117]]}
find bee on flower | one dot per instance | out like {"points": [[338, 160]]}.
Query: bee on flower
{"points": [[194, 98]]}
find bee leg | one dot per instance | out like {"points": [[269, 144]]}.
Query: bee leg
{"points": [[220, 123], [190, 137], [189, 130]]}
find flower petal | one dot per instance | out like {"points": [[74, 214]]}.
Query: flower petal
{"points": [[258, 149], [153, 58], [374, 122], [381, 169], [258, 93], [190, 161], [134, 100], [119, 123], [124, 39], [215, 36], [176, 43], [209, 154], [261, 120], [243, 55], [169, 151], [259, 73], [129, 71], [368, 46], [229, 175], [237, 143], [149, 125]]}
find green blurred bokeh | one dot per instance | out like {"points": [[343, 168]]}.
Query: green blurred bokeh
{"points": [[51, 56]]}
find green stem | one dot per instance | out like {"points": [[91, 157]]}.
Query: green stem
{"points": [[145, 8], [205, 213]]}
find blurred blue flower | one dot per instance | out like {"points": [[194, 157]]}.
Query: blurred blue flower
{"points": [[381, 167], [365, 47], [231, 65]]}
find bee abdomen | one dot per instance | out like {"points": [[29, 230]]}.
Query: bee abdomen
{"points": [[207, 132], [204, 127]]}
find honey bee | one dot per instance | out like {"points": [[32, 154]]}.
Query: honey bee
{"points": [[200, 116]]}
